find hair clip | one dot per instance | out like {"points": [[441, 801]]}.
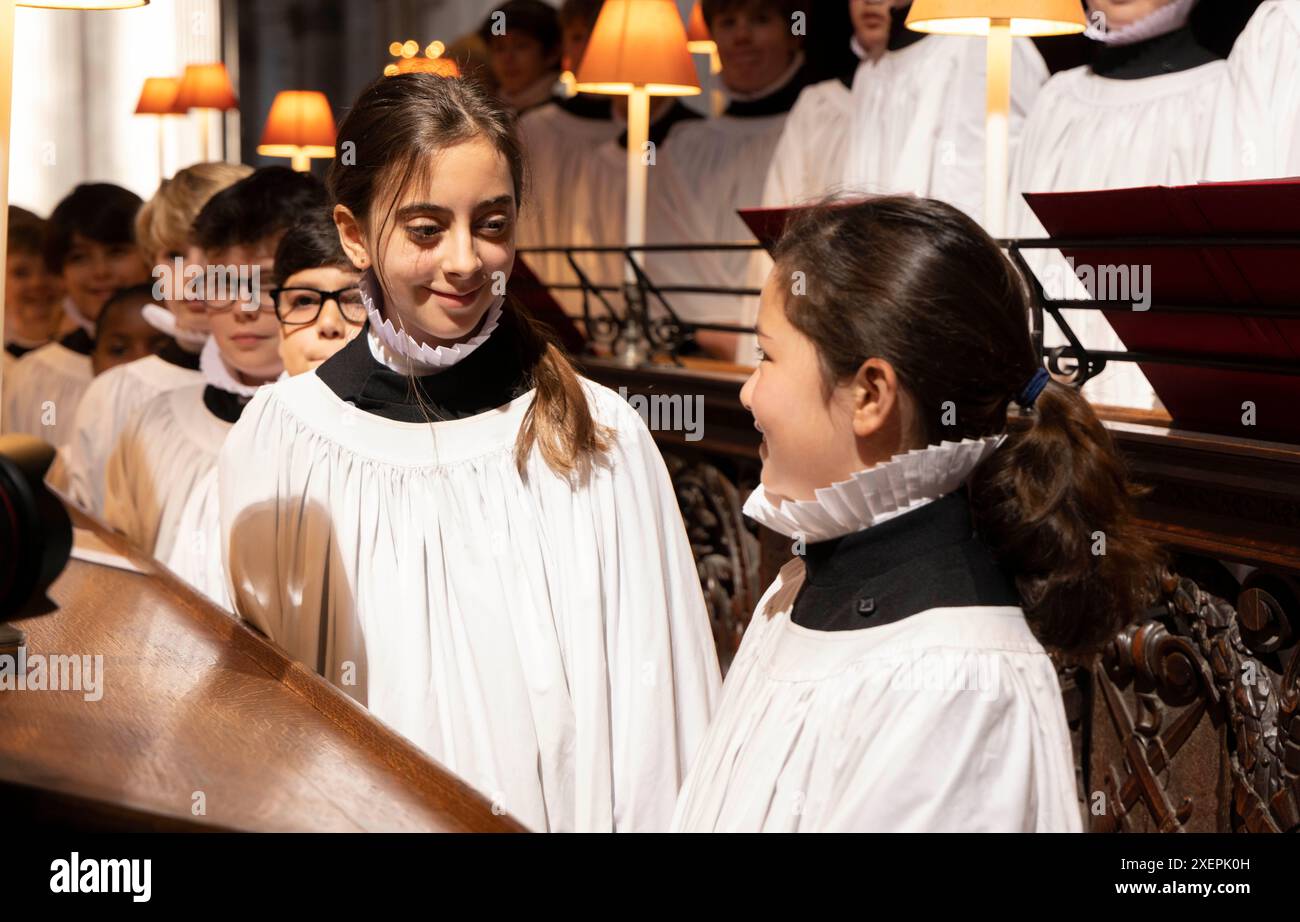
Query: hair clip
{"points": [[1035, 387]]}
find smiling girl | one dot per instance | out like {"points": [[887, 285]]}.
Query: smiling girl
{"points": [[894, 676], [447, 522]]}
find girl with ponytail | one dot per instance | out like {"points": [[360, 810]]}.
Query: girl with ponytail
{"points": [[449, 523], [896, 676]]}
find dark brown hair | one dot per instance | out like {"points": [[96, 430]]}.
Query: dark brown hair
{"points": [[921, 285], [397, 125]]}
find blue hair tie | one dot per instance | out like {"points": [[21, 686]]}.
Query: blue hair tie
{"points": [[1033, 389]]}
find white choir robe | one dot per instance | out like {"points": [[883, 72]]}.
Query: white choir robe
{"points": [[918, 119], [42, 390], [559, 145], [546, 641], [159, 460], [1258, 135], [107, 405], [600, 219], [949, 720], [807, 164], [710, 168], [196, 556], [1090, 132]]}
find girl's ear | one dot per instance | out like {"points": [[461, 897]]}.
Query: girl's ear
{"points": [[875, 398], [352, 237]]}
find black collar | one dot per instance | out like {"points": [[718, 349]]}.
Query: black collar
{"points": [[78, 341], [173, 354], [1165, 54], [16, 350], [223, 404], [774, 103], [924, 559], [594, 106], [659, 128], [492, 375], [900, 36]]}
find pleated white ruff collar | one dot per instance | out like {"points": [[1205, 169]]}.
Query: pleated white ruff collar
{"points": [[401, 352], [1166, 19], [905, 482]]}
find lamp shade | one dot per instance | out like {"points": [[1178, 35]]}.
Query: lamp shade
{"points": [[83, 4], [158, 96], [205, 86], [972, 17], [638, 43], [300, 122], [698, 38]]}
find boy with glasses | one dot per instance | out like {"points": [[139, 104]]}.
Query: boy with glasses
{"points": [[165, 451]]}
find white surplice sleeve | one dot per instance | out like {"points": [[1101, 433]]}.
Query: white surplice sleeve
{"points": [[651, 679]]}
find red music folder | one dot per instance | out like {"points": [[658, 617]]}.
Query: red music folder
{"points": [[1227, 276]]}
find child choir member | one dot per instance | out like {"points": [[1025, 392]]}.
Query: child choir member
{"points": [[523, 43], [918, 115], [711, 167], [447, 522], [558, 138], [162, 232], [90, 247], [32, 312], [122, 334], [168, 446], [1140, 114], [895, 676], [808, 161], [320, 310]]}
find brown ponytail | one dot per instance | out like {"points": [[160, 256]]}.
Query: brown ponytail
{"points": [[399, 123], [1056, 505], [559, 420], [921, 285]]}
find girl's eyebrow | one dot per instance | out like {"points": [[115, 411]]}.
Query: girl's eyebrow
{"points": [[415, 208]]}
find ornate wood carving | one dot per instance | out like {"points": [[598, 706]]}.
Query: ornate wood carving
{"points": [[1196, 717], [725, 545]]}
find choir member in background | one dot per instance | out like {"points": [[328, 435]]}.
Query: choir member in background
{"points": [[448, 523], [32, 311], [895, 677], [918, 115], [523, 42], [162, 232], [809, 157], [711, 167], [319, 307], [167, 447], [558, 139], [90, 246], [1258, 135], [122, 335], [1140, 114]]}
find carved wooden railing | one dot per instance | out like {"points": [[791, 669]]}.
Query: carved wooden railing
{"points": [[1190, 719]]}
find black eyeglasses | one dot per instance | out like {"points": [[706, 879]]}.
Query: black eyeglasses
{"points": [[299, 306]]}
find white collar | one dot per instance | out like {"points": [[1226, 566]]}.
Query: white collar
{"points": [[856, 47], [786, 76], [539, 91], [402, 352], [77, 317], [164, 321], [1166, 19], [905, 482], [216, 372]]}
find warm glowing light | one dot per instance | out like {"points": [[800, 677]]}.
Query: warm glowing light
{"points": [[972, 17], [638, 44]]}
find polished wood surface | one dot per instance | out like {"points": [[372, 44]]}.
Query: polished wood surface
{"points": [[196, 701]]}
